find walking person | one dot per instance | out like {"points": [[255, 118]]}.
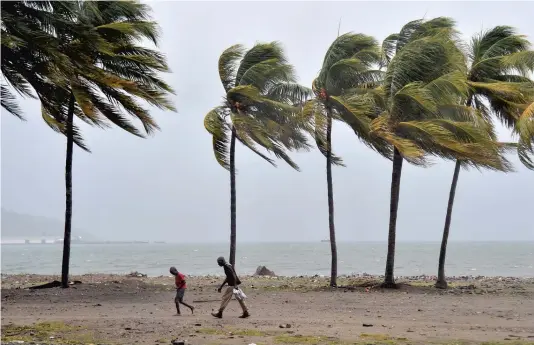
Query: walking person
{"points": [[233, 282], [180, 290]]}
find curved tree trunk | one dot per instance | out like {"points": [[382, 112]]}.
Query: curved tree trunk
{"points": [[442, 282], [232, 199], [68, 195], [389, 280], [333, 245]]}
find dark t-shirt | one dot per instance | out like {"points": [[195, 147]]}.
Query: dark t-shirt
{"points": [[231, 276]]}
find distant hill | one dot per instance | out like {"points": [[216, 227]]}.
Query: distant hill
{"points": [[24, 225]]}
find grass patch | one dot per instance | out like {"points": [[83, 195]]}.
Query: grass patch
{"points": [[382, 338], [40, 331], [508, 342], [375, 336], [249, 332], [308, 340], [50, 332]]}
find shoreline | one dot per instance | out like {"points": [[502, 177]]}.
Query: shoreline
{"points": [[420, 277]]}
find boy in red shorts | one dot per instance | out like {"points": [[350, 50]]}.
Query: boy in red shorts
{"points": [[180, 290]]}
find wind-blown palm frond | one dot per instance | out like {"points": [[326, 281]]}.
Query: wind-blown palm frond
{"points": [[228, 65], [525, 128], [215, 124], [412, 31], [9, 102], [361, 50], [500, 61]]}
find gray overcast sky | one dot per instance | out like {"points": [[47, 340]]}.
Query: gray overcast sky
{"points": [[170, 187]]}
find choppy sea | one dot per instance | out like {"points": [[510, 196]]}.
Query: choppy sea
{"points": [[288, 259]]}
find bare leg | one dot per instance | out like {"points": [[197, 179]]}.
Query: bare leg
{"points": [[177, 307], [188, 306]]}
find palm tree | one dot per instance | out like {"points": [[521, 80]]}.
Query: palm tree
{"points": [[419, 111], [498, 65], [101, 58], [259, 109], [346, 70]]}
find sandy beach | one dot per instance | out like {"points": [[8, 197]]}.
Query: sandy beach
{"points": [[112, 309]]}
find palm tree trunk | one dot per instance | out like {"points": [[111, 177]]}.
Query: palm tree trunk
{"points": [[333, 245], [68, 195], [232, 199], [441, 283], [389, 280]]}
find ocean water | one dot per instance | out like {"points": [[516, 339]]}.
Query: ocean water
{"points": [[288, 259]]}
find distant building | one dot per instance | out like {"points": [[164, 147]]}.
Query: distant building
{"points": [[28, 240]]}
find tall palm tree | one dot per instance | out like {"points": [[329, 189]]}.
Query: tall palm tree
{"points": [[105, 72], [259, 109], [347, 69], [499, 61], [419, 111]]}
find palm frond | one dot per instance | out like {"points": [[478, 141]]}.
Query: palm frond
{"points": [[228, 65], [345, 47], [259, 53], [358, 112], [9, 103], [290, 93], [59, 126], [389, 47], [215, 124], [423, 60], [350, 73], [525, 128], [456, 140], [266, 73], [380, 128]]}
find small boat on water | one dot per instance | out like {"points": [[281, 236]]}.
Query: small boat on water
{"points": [[325, 240]]}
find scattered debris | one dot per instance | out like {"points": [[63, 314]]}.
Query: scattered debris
{"points": [[367, 325]]}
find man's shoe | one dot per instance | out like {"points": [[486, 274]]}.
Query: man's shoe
{"points": [[245, 315], [217, 315]]}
